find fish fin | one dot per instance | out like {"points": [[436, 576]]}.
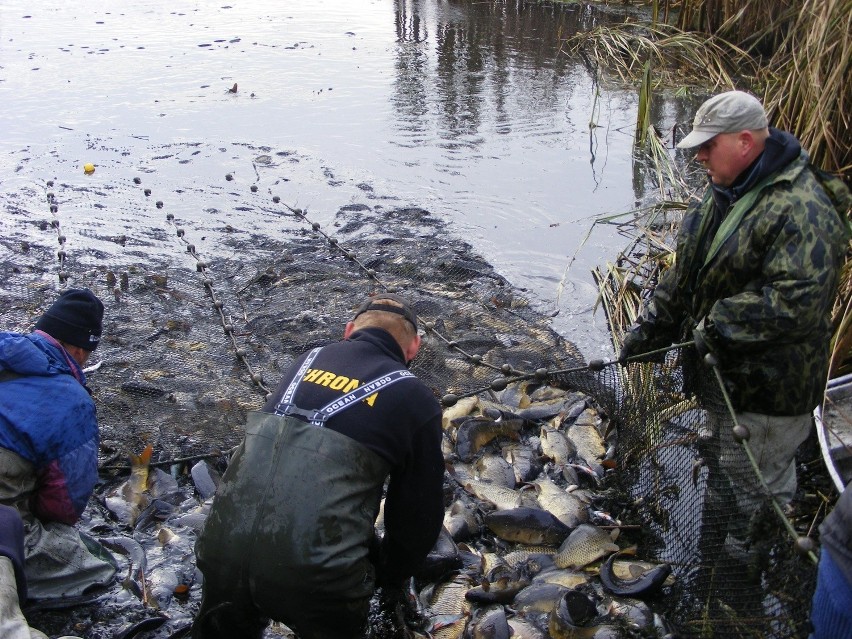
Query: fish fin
{"points": [[444, 621], [143, 458]]}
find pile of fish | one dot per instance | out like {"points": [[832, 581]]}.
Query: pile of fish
{"points": [[526, 550]]}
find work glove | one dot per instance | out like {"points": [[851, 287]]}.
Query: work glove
{"points": [[634, 346]]}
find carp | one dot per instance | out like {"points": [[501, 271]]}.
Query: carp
{"points": [[526, 554], [556, 446], [565, 506], [489, 623], [563, 577], [586, 436], [572, 612], [634, 613], [527, 526], [494, 469], [645, 583], [460, 521], [523, 629], [543, 410], [584, 545], [523, 461], [476, 432], [462, 408], [501, 589], [448, 602], [538, 597], [500, 497], [137, 563]]}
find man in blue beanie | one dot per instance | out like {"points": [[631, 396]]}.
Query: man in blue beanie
{"points": [[49, 444]]}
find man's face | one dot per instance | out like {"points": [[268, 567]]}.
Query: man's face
{"points": [[722, 156]]}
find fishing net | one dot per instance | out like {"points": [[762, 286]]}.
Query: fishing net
{"points": [[211, 292], [702, 506]]}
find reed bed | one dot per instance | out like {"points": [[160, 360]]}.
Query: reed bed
{"points": [[809, 88], [677, 57]]}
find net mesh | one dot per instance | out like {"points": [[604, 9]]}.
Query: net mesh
{"points": [[702, 506], [204, 313]]}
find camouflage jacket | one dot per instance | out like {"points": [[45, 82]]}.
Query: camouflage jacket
{"points": [[761, 298]]}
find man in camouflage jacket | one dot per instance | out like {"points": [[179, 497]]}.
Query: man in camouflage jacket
{"points": [[755, 277]]}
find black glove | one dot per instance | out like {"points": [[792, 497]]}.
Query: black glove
{"points": [[635, 346], [702, 346]]}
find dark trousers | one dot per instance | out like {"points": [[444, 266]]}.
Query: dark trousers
{"points": [[229, 609]]}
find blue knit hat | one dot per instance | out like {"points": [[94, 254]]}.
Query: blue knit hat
{"points": [[75, 318]]}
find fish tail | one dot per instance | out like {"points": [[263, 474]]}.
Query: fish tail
{"points": [[143, 458]]}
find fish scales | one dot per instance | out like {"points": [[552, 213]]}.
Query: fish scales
{"points": [[584, 545], [448, 597], [556, 446], [500, 497], [493, 468], [563, 505], [519, 556], [586, 435], [448, 601], [523, 629]]}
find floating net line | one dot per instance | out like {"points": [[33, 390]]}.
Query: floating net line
{"points": [[202, 319]]}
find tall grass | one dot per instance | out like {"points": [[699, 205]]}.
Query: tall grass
{"points": [[809, 82], [676, 56]]}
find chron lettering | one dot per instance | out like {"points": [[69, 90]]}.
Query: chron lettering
{"points": [[336, 382]]}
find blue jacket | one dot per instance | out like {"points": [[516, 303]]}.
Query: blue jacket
{"points": [[48, 417]]}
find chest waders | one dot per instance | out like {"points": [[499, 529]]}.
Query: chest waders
{"points": [[295, 512]]}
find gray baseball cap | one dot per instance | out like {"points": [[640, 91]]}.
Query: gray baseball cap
{"points": [[725, 113]]}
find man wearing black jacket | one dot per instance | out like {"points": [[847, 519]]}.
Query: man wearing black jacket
{"points": [[290, 536]]}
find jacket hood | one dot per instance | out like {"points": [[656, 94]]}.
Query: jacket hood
{"points": [[32, 355]]}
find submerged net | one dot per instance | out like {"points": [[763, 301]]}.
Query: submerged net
{"points": [[206, 310]]}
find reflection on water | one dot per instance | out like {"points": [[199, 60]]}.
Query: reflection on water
{"points": [[465, 108]]}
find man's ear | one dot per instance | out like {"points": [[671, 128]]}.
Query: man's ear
{"points": [[413, 347], [747, 142], [350, 328]]}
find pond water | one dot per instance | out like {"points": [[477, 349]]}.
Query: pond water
{"points": [[466, 109]]}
